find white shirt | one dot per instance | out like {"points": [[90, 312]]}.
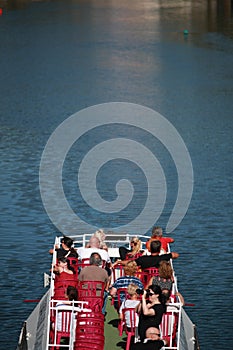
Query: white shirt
{"points": [[129, 304], [85, 253]]}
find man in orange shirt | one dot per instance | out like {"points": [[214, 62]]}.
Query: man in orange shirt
{"points": [[157, 235]]}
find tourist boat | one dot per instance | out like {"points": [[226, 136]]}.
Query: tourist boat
{"points": [[36, 330]]}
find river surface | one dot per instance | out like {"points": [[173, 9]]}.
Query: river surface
{"points": [[59, 57]]}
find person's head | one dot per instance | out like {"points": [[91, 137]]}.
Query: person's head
{"points": [[64, 263], [135, 244], [131, 289], [155, 246], [67, 242], [72, 293], [100, 234], [167, 294], [95, 259], [154, 293], [130, 268], [157, 232], [153, 333], [165, 269], [94, 242]]}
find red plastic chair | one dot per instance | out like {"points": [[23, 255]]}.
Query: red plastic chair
{"points": [[120, 294], [74, 262], [93, 293], [61, 286], [89, 331], [168, 327], [62, 327], [143, 276], [117, 271], [131, 331], [148, 273], [86, 262]]}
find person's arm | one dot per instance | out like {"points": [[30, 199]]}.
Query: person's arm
{"points": [[52, 249], [138, 308], [113, 291], [119, 262], [175, 255], [147, 311], [181, 298]]}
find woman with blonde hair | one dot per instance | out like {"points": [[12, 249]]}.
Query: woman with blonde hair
{"points": [[132, 302], [134, 252]]}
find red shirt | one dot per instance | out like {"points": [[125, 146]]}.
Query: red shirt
{"points": [[164, 242]]}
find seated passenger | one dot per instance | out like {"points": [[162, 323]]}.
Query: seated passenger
{"points": [[165, 278], [152, 308], [93, 247], [157, 235], [152, 341], [94, 272], [132, 302], [63, 268], [130, 270], [101, 236], [134, 251], [66, 249], [71, 294], [152, 260]]}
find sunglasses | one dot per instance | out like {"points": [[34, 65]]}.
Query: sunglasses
{"points": [[150, 294], [134, 242]]}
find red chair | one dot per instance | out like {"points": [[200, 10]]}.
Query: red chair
{"points": [[148, 273], [143, 276], [131, 331], [93, 293], [74, 262], [117, 271], [62, 326], [120, 295], [60, 287], [168, 327], [89, 331]]}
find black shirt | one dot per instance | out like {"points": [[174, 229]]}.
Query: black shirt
{"points": [[62, 253], [146, 261], [149, 345]]}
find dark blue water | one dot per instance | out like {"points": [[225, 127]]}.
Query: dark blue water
{"points": [[59, 57]]}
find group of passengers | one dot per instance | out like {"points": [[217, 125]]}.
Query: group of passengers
{"points": [[149, 301]]}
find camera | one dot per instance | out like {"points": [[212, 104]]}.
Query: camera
{"points": [[139, 291]]}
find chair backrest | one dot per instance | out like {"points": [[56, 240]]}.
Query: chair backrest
{"points": [[117, 271], [74, 262], [130, 324], [63, 324], [93, 293], [130, 318], [86, 262], [121, 295], [148, 273], [61, 286], [168, 327], [63, 321], [90, 289]]}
